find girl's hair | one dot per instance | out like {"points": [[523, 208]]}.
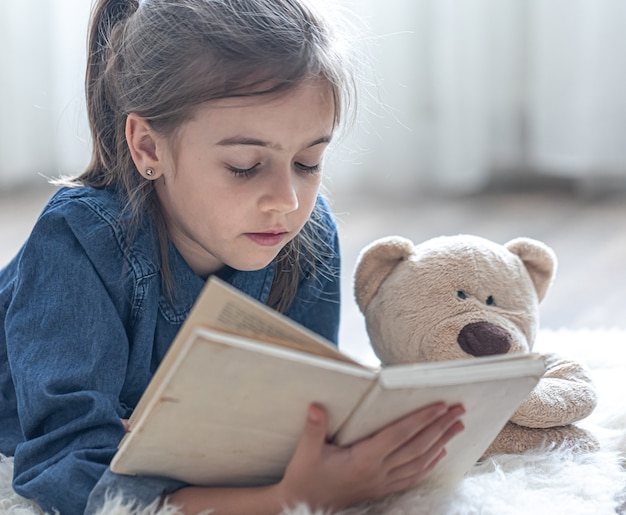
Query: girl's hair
{"points": [[161, 59]]}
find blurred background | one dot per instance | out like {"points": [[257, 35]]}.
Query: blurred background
{"points": [[501, 118]]}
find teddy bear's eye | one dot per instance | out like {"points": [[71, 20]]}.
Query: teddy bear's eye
{"points": [[461, 295], [490, 301]]}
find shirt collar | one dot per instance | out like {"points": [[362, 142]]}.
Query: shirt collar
{"points": [[188, 285]]}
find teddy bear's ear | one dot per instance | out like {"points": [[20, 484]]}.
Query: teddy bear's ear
{"points": [[375, 263], [539, 259]]}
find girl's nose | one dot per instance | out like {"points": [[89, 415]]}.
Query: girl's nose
{"points": [[280, 192]]}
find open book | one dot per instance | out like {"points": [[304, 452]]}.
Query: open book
{"points": [[228, 403]]}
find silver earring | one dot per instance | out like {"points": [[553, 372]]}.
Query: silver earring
{"points": [[149, 172]]}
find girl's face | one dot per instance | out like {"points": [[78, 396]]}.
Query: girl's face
{"points": [[242, 178]]}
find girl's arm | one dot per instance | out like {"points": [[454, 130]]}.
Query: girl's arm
{"points": [[71, 313], [329, 477]]}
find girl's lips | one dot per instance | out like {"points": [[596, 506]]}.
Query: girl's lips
{"points": [[266, 239]]}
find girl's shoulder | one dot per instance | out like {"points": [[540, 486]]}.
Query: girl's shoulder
{"points": [[98, 221], [69, 202]]}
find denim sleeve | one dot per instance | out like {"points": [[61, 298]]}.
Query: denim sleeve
{"points": [[68, 350], [134, 492]]}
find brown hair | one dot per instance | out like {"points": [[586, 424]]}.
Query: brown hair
{"points": [[161, 59]]}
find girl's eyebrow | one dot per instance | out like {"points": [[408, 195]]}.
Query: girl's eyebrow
{"points": [[242, 140]]}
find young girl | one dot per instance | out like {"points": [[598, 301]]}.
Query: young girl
{"points": [[210, 119]]}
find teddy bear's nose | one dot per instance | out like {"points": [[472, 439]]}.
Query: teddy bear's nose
{"points": [[484, 339]]}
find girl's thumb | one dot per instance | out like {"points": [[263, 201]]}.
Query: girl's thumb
{"points": [[314, 435]]}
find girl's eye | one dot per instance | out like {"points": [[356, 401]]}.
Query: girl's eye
{"points": [[461, 295], [490, 301], [242, 172], [308, 169]]}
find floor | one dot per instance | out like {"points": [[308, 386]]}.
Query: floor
{"points": [[587, 232]]}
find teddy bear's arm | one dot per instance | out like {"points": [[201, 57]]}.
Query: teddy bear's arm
{"points": [[565, 394]]}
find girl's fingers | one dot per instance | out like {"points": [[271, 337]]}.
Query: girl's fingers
{"points": [[419, 461], [430, 441], [437, 433], [410, 477], [313, 437], [397, 434]]}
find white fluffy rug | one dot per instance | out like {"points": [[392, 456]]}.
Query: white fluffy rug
{"points": [[548, 482]]}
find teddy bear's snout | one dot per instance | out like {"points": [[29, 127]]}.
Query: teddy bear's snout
{"points": [[484, 339]]}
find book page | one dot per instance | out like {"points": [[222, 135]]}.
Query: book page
{"points": [[230, 411], [220, 306]]}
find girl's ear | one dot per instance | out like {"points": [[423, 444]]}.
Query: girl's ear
{"points": [[142, 143]]}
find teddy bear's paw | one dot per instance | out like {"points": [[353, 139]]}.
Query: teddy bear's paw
{"points": [[514, 439], [564, 395], [578, 439]]}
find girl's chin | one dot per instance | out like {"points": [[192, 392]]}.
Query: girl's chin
{"points": [[249, 265]]}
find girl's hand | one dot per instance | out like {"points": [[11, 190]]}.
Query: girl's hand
{"points": [[394, 459]]}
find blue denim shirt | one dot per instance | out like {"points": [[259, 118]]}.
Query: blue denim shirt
{"points": [[85, 326]]}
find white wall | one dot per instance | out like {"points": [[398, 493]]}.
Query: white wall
{"points": [[43, 127], [451, 88], [577, 100]]}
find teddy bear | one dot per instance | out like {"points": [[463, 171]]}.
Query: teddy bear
{"points": [[464, 296]]}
